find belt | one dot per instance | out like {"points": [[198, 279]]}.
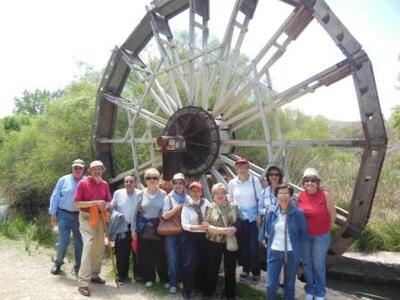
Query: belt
{"points": [[70, 212]]}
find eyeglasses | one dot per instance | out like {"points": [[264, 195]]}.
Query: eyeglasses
{"points": [[274, 174], [152, 178], [129, 181]]}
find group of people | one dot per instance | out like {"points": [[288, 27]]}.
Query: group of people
{"points": [[227, 227]]}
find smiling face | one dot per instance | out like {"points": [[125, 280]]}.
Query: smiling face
{"points": [[152, 181], [274, 176], [311, 184], [130, 183], [242, 170], [178, 186], [283, 196], [77, 171], [96, 172], [196, 193], [220, 196]]}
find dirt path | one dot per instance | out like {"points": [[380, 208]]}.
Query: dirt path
{"points": [[24, 276]]}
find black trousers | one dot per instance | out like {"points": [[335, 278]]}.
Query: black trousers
{"points": [[248, 246], [194, 262], [215, 251], [123, 250], [152, 257]]}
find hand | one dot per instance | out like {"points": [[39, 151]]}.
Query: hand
{"points": [[230, 231], [204, 225], [134, 235], [53, 220]]}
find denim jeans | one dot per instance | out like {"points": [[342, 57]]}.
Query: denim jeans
{"points": [[275, 264], [68, 222], [175, 258], [314, 250], [248, 247]]}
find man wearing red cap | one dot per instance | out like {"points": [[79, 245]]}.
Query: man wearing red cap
{"points": [[245, 189]]}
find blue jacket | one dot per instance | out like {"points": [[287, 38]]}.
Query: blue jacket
{"points": [[297, 227]]}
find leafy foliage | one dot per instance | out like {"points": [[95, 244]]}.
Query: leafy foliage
{"points": [[34, 103]]}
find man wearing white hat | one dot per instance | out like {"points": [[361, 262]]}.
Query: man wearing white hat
{"points": [[63, 213], [93, 194]]}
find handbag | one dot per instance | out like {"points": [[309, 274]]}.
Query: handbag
{"points": [[150, 232], [171, 226], [231, 241], [146, 228]]}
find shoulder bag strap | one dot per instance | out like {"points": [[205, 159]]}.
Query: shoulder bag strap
{"points": [[254, 189]]}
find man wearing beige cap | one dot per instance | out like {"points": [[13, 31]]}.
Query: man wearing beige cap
{"points": [[63, 213], [93, 194]]}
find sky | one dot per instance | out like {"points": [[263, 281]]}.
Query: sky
{"points": [[43, 41]]}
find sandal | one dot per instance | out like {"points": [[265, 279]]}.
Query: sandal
{"points": [[84, 291]]}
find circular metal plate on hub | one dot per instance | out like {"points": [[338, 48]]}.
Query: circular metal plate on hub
{"points": [[201, 135]]}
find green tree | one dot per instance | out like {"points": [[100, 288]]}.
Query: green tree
{"points": [[15, 122], [34, 103]]}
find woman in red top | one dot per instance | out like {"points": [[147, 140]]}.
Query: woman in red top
{"points": [[320, 214]]}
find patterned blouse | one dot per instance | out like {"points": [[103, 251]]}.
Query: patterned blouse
{"points": [[213, 217]]}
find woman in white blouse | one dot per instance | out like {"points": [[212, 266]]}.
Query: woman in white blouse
{"points": [[194, 240]]}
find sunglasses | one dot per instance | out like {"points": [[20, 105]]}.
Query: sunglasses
{"points": [[310, 180], [152, 178], [274, 174]]}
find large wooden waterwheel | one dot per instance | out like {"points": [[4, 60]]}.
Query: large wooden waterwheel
{"points": [[201, 101]]}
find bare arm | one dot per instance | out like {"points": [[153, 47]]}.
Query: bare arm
{"points": [[168, 214], [331, 208]]}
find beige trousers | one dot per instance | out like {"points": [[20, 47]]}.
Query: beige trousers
{"points": [[92, 252]]}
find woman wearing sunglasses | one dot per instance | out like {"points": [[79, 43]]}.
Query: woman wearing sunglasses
{"points": [[268, 201], [320, 214], [146, 213]]}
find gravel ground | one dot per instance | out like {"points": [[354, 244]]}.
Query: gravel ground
{"points": [[27, 276]]}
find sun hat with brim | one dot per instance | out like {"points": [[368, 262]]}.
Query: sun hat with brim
{"points": [[78, 163], [178, 176], [242, 160], [311, 172], [96, 163], [195, 184]]}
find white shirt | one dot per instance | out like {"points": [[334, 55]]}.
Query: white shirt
{"points": [[242, 192], [189, 215], [169, 199], [278, 243], [124, 203]]}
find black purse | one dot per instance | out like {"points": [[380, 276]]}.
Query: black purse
{"points": [[146, 228]]}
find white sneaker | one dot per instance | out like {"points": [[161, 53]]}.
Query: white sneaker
{"points": [[172, 290], [149, 284], [166, 285], [319, 298], [309, 297]]}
